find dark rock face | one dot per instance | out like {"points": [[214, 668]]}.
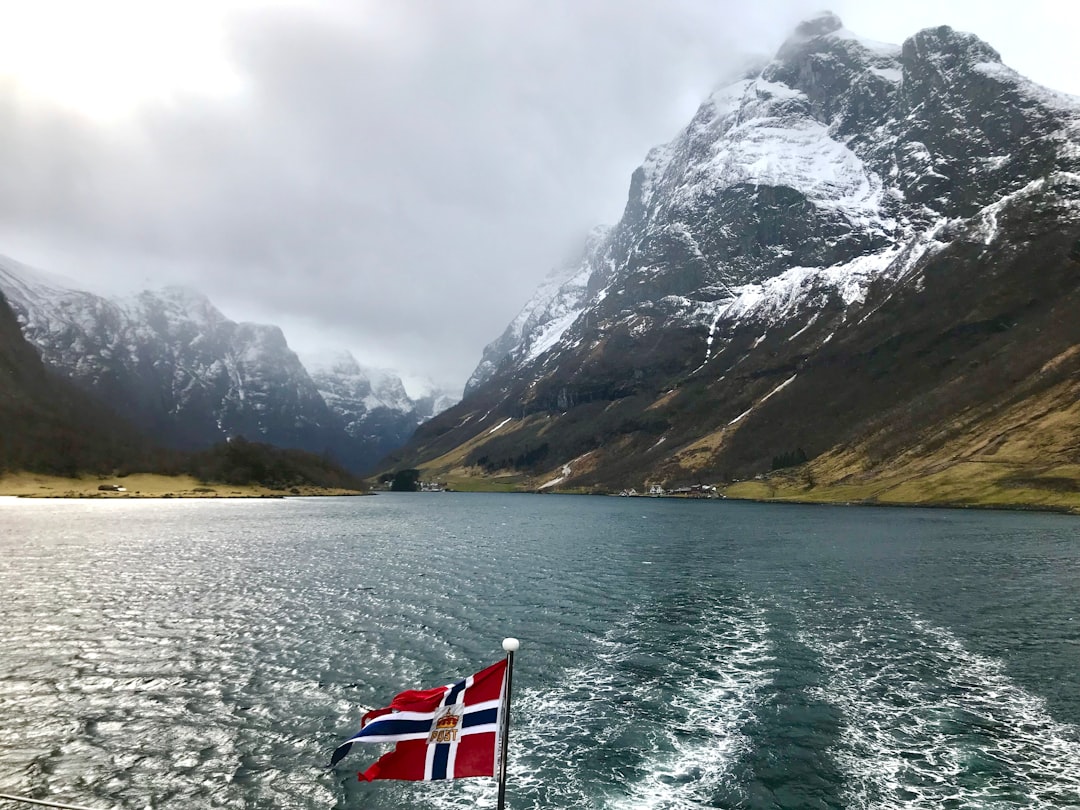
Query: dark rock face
{"points": [[794, 208], [50, 426]]}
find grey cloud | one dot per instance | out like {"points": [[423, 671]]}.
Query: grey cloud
{"points": [[402, 173]]}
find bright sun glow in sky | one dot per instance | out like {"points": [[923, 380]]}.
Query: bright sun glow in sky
{"points": [[103, 58]]}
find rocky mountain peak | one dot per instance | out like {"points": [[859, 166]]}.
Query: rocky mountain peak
{"points": [[945, 49], [824, 22], [837, 71], [339, 362], [180, 301]]}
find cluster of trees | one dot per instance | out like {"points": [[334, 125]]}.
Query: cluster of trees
{"points": [[402, 480], [53, 448], [792, 458], [525, 460], [240, 462], [52, 445]]}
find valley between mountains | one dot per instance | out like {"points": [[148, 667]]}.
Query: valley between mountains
{"points": [[853, 276]]}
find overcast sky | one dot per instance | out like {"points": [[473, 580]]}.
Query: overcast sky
{"points": [[393, 177]]}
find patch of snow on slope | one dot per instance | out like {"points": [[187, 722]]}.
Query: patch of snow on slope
{"points": [[800, 155], [778, 298], [894, 75], [809, 323], [761, 401], [883, 49], [740, 417], [986, 221], [769, 138], [566, 472], [778, 388], [551, 332], [503, 422]]}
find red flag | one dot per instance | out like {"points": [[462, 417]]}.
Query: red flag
{"points": [[445, 733]]}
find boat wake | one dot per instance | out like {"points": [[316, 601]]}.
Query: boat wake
{"points": [[929, 723], [645, 723]]}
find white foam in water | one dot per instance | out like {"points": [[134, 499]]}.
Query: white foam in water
{"points": [[546, 720], [931, 724], [569, 744], [734, 665], [684, 723]]}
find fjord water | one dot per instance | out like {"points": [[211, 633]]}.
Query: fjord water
{"points": [[675, 654]]}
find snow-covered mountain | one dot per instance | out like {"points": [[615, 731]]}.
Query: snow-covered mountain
{"points": [[798, 199], [814, 173], [181, 370], [47, 425], [435, 401], [371, 404]]}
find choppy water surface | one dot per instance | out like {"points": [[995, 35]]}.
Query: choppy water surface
{"points": [[193, 654]]}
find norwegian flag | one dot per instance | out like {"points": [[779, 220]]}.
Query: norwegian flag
{"points": [[445, 733]]}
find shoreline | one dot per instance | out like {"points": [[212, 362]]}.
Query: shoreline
{"points": [[976, 507], [143, 486], [821, 499]]}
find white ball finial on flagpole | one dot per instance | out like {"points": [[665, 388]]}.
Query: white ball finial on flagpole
{"points": [[511, 644]]}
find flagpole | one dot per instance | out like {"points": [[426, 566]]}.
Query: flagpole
{"points": [[510, 645]]}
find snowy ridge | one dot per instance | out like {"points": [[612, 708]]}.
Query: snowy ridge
{"points": [[26, 282], [783, 297], [559, 300], [790, 294], [886, 50], [1054, 99], [561, 312]]}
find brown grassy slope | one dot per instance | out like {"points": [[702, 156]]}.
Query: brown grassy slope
{"points": [[1020, 454]]}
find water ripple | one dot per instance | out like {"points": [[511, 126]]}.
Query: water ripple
{"points": [[676, 655]]}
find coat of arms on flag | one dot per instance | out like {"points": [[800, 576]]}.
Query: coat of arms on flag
{"points": [[448, 732]]}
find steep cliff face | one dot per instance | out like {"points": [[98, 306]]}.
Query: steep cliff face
{"points": [[181, 371], [767, 241]]}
